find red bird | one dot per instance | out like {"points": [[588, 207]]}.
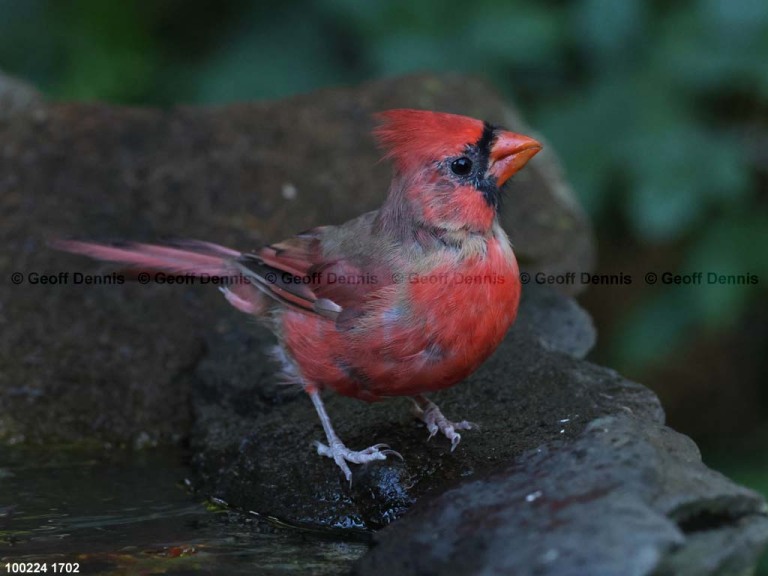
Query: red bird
{"points": [[402, 301]]}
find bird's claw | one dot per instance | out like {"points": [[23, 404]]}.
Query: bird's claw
{"points": [[429, 413], [341, 455]]}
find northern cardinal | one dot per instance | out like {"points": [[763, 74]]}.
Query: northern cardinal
{"points": [[401, 301]]}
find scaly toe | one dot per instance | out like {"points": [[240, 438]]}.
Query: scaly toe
{"points": [[375, 448], [341, 454], [322, 449], [340, 462], [436, 422]]}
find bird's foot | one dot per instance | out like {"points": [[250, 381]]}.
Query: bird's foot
{"points": [[428, 412], [341, 455]]}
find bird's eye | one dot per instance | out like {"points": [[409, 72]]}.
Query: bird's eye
{"points": [[461, 166]]}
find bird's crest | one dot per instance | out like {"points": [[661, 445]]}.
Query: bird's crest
{"points": [[414, 138]]}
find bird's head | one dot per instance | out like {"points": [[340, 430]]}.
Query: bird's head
{"points": [[450, 168]]}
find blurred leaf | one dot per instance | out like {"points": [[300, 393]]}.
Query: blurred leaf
{"points": [[587, 129], [516, 35], [496, 36], [26, 47], [733, 247], [610, 32], [680, 170], [265, 60], [654, 329], [108, 51], [722, 45], [402, 53]]}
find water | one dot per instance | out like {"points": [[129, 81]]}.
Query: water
{"points": [[131, 513]]}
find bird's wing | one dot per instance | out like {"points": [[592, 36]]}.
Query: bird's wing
{"points": [[307, 274]]}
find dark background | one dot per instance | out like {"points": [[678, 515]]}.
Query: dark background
{"points": [[659, 111]]}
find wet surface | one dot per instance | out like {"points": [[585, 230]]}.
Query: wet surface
{"points": [[626, 496], [131, 513]]}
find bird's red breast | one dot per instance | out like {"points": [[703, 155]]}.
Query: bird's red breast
{"points": [[423, 332]]}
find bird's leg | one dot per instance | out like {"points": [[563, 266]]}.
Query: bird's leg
{"points": [[337, 450], [428, 412]]}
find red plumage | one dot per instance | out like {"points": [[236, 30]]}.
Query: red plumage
{"points": [[413, 139]]}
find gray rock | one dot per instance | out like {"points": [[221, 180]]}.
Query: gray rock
{"points": [[558, 324], [113, 363], [17, 96], [627, 496], [572, 472]]}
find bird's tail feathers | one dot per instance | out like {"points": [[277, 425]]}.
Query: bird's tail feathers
{"points": [[183, 257]]}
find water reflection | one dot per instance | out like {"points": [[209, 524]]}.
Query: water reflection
{"points": [[125, 513]]}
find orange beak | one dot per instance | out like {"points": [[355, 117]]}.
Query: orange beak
{"points": [[510, 152]]}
